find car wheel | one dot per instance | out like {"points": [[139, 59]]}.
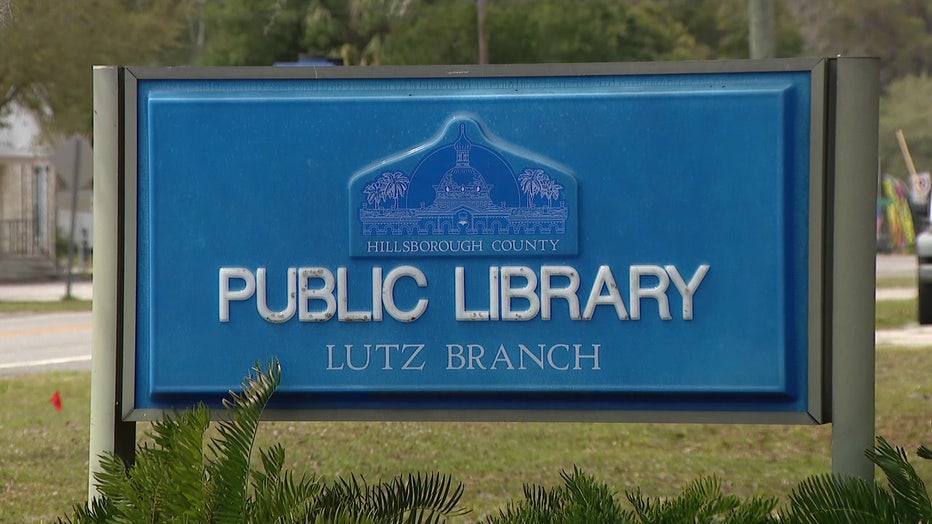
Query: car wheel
{"points": [[925, 304]]}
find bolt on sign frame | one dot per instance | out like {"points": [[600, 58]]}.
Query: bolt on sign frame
{"points": [[688, 242]]}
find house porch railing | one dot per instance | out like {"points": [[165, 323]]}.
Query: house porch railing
{"points": [[18, 238]]}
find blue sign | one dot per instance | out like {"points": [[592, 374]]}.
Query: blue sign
{"points": [[554, 242]]}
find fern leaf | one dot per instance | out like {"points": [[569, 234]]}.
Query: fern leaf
{"points": [[232, 449], [925, 452], [909, 491], [277, 497], [827, 499]]}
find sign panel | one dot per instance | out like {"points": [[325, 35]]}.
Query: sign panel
{"points": [[608, 240]]}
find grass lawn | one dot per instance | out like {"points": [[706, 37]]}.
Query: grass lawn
{"points": [[891, 282], [54, 306], [43, 453], [892, 314]]}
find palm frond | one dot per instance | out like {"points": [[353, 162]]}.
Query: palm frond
{"points": [[416, 499], [909, 491], [232, 449], [179, 456], [165, 481], [343, 501], [701, 501], [828, 499], [539, 506], [587, 500], [100, 510], [277, 497], [924, 452]]}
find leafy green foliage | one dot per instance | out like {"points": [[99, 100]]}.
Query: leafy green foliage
{"points": [[251, 32], [414, 498], [520, 31], [897, 31], [581, 499], [48, 47], [720, 27], [821, 499], [905, 106], [174, 480], [703, 501], [826, 499]]}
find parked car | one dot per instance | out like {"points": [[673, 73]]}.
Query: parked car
{"points": [[924, 281]]}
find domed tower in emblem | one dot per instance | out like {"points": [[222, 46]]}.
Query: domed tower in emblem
{"points": [[462, 184]]}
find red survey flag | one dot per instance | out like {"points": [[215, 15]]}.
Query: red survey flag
{"points": [[56, 401]]}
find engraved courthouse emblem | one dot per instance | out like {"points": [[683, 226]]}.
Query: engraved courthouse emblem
{"points": [[463, 195]]}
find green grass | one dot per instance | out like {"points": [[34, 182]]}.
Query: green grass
{"points": [[891, 314], [53, 306], [43, 453], [894, 282]]}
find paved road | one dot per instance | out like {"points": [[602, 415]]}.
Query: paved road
{"points": [[43, 342], [896, 265]]}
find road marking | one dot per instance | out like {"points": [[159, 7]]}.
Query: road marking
{"points": [[45, 362], [44, 331]]}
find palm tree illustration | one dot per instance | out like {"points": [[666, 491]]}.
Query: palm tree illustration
{"points": [[394, 185], [531, 181], [374, 194], [550, 191]]}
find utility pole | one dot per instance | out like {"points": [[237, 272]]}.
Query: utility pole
{"points": [[481, 7], [761, 28]]}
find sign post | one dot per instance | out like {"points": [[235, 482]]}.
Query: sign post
{"points": [[589, 242], [853, 264]]}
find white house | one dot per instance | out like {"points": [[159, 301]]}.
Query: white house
{"points": [[28, 181]]}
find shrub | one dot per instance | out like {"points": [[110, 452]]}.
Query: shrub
{"points": [[179, 479]]}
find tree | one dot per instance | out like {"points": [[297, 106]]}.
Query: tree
{"points": [[252, 32], [532, 31], [263, 32], [906, 106], [436, 33], [48, 49], [897, 31], [720, 27]]}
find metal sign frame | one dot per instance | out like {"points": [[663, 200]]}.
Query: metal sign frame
{"points": [[840, 247]]}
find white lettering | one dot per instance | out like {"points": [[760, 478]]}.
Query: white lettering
{"points": [[658, 292], [324, 293], [343, 312], [604, 279], [568, 292], [515, 293], [227, 294], [262, 306], [408, 363], [459, 293], [687, 290], [527, 292], [388, 293], [455, 351], [594, 356]]}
